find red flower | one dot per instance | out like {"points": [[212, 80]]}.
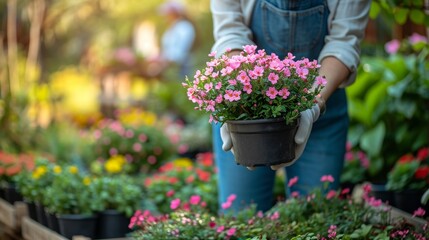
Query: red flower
{"points": [[423, 153], [422, 172], [406, 158]]}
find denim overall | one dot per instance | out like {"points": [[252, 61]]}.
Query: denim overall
{"points": [[299, 27]]}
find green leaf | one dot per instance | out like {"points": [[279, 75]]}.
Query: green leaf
{"points": [[372, 141], [417, 16], [425, 198], [374, 10], [400, 15]]}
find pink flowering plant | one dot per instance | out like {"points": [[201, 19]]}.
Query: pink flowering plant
{"points": [[356, 166], [177, 181], [128, 148], [255, 85], [322, 214]]}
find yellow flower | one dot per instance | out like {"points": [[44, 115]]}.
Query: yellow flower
{"points": [[57, 169], [183, 162], [115, 164], [73, 169], [39, 171], [86, 180]]}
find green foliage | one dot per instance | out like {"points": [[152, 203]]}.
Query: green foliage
{"points": [[315, 216], [72, 192], [120, 193], [410, 172], [401, 11], [388, 105], [32, 183]]}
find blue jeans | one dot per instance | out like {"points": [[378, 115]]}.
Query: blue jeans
{"points": [[324, 153]]}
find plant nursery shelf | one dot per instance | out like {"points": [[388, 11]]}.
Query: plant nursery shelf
{"points": [[10, 218]]}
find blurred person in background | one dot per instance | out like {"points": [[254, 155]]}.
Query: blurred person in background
{"points": [[178, 40]]}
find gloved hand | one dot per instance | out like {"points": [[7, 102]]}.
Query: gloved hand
{"points": [[308, 117]]}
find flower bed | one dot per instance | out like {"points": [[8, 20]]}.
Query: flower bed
{"points": [[320, 215]]}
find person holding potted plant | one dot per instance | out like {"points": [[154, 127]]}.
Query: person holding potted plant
{"points": [[329, 31]]}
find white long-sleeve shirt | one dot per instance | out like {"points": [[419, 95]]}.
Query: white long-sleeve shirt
{"points": [[346, 23]]}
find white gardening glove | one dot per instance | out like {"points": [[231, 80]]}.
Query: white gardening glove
{"points": [[226, 140], [308, 117]]}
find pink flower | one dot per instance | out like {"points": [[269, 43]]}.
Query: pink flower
{"points": [[250, 49], [331, 194], [247, 88], [292, 181], [320, 80], [170, 193], [195, 200], [226, 205], [275, 216], [420, 212], [416, 38], [231, 232], [284, 93], [175, 203], [327, 178], [231, 198], [273, 78], [260, 214], [392, 47], [137, 147], [232, 95], [220, 229], [272, 92], [295, 194]]}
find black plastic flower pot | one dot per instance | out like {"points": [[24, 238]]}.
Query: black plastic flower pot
{"points": [[77, 224], [112, 224], [52, 221], [41, 215], [409, 200], [379, 191], [11, 193], [263, 142], [32, 211]]}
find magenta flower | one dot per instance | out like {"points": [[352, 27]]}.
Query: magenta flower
{"points": [[175, 203], [170, 193], [392, 47], [292, 181], [231, 232], [327, 178], [220, 229], [195, 200], [416, 38], [420, 212], [226, 205], [331, 194], [231, 198]]}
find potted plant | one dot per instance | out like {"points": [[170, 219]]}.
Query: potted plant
{"points": [[119, 197], [10, 166], [181, 179], [73, 199], [32, 183], [409, 179], [355, 169], [254, 90], [144, 146]]}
